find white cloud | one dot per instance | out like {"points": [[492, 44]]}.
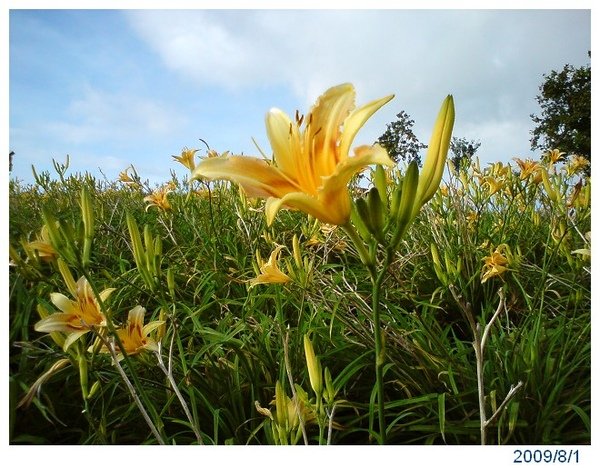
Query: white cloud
{"points": [[99, 115], [412, 52], [491, 60], [501, 140]]}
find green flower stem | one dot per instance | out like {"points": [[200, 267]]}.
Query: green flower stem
{"points": [[111, 348], [288, 370], [136, 382], [479, 339], [363, 253], [377, 278], [379, 352], [169, 374]]}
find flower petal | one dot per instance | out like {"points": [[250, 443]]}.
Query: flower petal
{"points": [[326, 119], [72, 338], [136, 316], [258, 178], [58, 322], [62, 302], [107, 292], [151, 326], [357, 119], [330, 210], [279, 131]]}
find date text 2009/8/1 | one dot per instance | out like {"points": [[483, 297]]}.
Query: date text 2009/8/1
{"points": [[546, 456]]}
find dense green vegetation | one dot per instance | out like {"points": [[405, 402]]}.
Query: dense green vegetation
{"points": [[227, 343]]}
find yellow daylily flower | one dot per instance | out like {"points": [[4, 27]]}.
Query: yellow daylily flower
{"points": [[43, 246], [494, 185], [495, 264], [159, 199], [77, 317], [498, 169], [128, 180], [187, 158], [311, 164], [575, 164], [269, 271], [529, 168], [286, 413], [554, 156], [135, 336]]}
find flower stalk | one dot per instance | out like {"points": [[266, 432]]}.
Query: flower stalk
{"points": [[169, 374], [479, 339]]}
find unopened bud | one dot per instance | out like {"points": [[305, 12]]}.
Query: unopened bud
{"points": [[314, 366]]}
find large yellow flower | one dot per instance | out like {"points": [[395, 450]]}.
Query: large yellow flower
{"points": [[77, 317], [311, 164]]}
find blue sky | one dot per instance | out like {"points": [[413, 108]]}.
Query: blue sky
{"points": [[112, 88]]}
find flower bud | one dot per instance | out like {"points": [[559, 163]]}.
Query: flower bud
{"points": [[377, 213], [406, 208], [87, 214], [314, 366], [437, 151]]}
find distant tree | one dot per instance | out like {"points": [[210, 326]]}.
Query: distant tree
{"points": [[463, 151], [565, 122], [400, 141]]}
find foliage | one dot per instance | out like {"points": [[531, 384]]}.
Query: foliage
{"points": [[565, 120], [400, 141], [463, 151], [238, 354]]}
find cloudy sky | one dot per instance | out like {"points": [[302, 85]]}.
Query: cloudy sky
{"points": [[113, 88]]}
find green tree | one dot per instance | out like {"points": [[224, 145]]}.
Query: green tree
{"points": [[565, 121], [463, 151], [400, 141]]}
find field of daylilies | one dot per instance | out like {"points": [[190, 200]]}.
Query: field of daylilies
{"points": [[322, 296]]}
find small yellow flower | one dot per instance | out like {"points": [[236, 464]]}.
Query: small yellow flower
{"points": [[77, 317], [135, 336], [499, 170], [269, 271], [576, 164], [128, 180], [581, 195], [495, 264], [471, 219], [529, 168], [312, 166], [287, 410], [43, 246], [159, 199], [494, 185], [187, 158], [554, 156]]}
